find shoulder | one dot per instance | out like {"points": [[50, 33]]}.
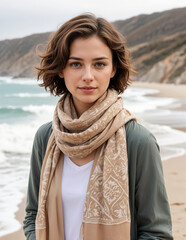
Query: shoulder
{"points": [[142, 147], [44, 129], [43, 133], [137, 134], [40, 142]]}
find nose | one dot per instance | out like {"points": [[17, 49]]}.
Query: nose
{"points": [[87, 74]]}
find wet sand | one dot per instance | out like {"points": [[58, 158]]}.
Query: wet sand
{"points": [[18, 235], [175, 181]]}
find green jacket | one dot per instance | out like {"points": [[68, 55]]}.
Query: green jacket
{"points": [[150, 213]]}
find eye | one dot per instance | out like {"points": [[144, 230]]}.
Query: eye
{"points": [[100, 64], [75, 64]]}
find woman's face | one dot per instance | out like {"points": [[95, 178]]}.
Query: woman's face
{"points": [[88, 71]]}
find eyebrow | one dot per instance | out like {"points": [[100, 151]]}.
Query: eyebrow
{"points": [[80, 59]]}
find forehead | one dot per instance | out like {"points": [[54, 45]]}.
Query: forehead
{"points": [[93, 45]]}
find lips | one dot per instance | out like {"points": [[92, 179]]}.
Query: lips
{"points": [[87, 89]]}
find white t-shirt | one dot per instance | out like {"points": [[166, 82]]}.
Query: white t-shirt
{"points": [[74, 187]]}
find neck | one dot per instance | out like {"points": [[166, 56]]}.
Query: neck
{"points": [[81, 108]]}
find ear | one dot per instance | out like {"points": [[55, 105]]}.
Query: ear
{"points": [[113, 71], [61, 75]]}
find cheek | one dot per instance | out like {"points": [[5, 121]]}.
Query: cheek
{"points": [[109, 72], [69, 85], [104, 83], [106, 76], [70, 79]]}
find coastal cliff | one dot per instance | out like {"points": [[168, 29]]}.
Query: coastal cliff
{"points": [[157, 42]]}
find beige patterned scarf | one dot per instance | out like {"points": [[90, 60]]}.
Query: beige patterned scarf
{"points": [[101, 128]]}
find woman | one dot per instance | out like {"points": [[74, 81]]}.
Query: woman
{"points": [[96, 174]]}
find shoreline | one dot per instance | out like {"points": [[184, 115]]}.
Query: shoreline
{"points": [[173, 168], [19, 216]]}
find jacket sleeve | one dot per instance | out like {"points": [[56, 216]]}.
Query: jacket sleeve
{"points": [[151, 203], [37, 156]]}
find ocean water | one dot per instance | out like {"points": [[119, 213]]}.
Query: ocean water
{"points": [[24, 107]]}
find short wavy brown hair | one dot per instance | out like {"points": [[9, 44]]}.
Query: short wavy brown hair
{"points": [[56, 54]]}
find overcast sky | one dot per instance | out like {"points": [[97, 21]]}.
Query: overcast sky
{"points": [[19, 18]]}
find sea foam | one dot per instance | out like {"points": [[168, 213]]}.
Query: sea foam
{"points": [[18, 81], [27, 95]]}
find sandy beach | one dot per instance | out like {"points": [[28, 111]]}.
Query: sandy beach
{"points": [[174, 173], [166, 90]]}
